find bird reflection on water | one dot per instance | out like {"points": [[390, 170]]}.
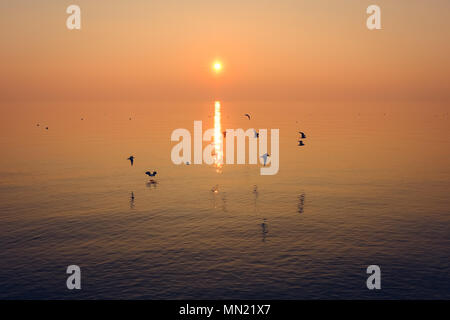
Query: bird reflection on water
{"points": [[255, 193], [132, 200], [224, 202], [265, 229], [152, 183], [301, 203], [264, 225], [223, 198]]}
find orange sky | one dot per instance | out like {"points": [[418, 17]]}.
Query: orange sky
{"points": [[271, 50]]}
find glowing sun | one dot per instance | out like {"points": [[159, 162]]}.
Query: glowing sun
{"points": [[217, 66]]}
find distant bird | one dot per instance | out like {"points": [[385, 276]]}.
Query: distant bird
{"points": [[131, 158], [256, 133], [151, 174], [247, 115], [264, 156], [302, 134], [300, 143]]}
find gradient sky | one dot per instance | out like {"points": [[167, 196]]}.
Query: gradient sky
{"points": [[271, 50]]}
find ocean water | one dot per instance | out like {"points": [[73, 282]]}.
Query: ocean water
{"points": [[370, 187]]}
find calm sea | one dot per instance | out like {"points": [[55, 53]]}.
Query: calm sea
{"points": [[370, 187]]}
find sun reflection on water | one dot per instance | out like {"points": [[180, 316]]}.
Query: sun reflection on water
{"points": [[218, 139]]}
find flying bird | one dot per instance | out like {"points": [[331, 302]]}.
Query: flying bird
{"points": [[151, 174], [300, 143], [131, 158], [264, 156], [247, 115], [256, 133], [302, 134]]}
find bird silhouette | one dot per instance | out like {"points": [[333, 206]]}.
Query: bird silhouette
{"points": [[247, 115], [302, 134], [131, 158], [300, 143], [264, 156], [151, 174]]}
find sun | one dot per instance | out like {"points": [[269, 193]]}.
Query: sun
{"points": [[217, 66]]}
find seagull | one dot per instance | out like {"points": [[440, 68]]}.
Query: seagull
{"points": [[131, 158], [300, 143], [151, 174], [264, 156], [247, 115], [303, 135], [256, 133]]}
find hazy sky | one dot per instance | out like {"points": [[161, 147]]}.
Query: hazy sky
{"points": [[271, 50]]}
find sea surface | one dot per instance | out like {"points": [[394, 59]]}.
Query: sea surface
{"points": [[371, 186]]}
